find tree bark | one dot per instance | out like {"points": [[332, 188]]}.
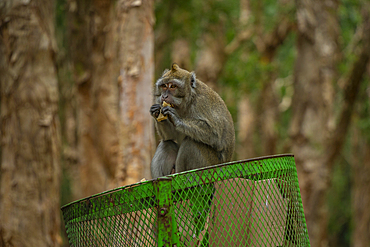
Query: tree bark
{"points": [[269, 116], [266, 112], [112, 47], [30, 169], [180, 53], [105, 87], [211, 57], [136, 59], [246, 115], [361, 191], [337, 137], [246, 128], [316, 140], [93, 47], [361, 150]]}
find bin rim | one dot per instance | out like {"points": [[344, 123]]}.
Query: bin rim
{"points": [[199, 169]]}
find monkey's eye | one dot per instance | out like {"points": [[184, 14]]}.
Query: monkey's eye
{"points": [[173, 86], [164, 86]]}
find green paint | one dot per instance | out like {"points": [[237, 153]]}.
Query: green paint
{"points": [[245, 202]]}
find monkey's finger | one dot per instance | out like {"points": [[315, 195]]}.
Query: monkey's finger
{"points": [[155, 107], [155, 114], [167, 110], [171, 113], [155, 110]]}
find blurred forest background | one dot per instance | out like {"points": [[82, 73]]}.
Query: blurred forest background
{"points": [[76, 79]]}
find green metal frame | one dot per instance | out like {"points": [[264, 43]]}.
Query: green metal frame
{"points": [[253, 202]]}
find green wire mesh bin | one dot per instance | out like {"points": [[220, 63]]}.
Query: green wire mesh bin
{"points": [[253, 202]]}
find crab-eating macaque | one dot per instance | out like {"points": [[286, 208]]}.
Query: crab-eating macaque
{"points": [[195, 125]]}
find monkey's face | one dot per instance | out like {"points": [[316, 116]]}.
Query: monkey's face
{"points": [[171, 90], [175, 87]]}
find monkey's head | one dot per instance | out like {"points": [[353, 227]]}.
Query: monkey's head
{"points": [[176, 87]]}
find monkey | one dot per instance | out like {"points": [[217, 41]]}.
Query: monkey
{"points": [[199, 130]]}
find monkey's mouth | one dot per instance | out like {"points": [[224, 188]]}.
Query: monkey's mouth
{"points": [[165, 103]]}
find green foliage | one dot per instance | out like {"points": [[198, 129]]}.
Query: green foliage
{"points": [[191, 19], [339, 205], [61, 23], [244, 71], [349, 17], [285, 56], [363, 109]]}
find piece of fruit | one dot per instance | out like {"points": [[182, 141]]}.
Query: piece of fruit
{"points": [[162, 117]]}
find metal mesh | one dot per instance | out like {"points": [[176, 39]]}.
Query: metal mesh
{"points": [[246, 203]]}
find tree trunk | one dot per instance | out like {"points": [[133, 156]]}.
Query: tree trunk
{"points": [[266, 113], [29, 176], [269, 116], [211, 57], [269, 113], [180, 53], [136, 59], [93, 55], [316, 143], [246, 128], [112, 53], [361, 191], [312, 120], [361, 145]]}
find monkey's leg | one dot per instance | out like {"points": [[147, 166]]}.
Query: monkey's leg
{"points": [[193, 155], [164, 159]]}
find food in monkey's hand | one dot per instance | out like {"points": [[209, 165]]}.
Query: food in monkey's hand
{"points": [[162, 117]]}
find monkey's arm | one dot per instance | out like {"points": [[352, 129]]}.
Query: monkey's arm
{"points": [[165, 129], [199, 129]]}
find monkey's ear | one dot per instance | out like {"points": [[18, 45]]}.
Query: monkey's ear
{"points": [[193, 80], [175, 66], [165, 71]]}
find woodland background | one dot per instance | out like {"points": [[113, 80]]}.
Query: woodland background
{"points": [[76, 79]]}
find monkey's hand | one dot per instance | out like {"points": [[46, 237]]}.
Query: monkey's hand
{"points": [[155, 110], [172, 114]]}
